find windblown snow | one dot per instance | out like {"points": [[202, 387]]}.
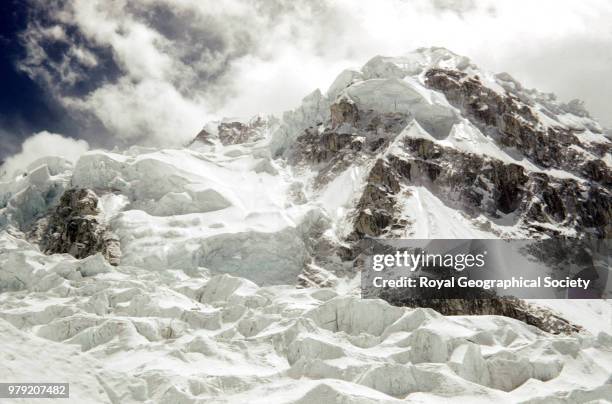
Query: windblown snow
{"points": [[203, 307]]}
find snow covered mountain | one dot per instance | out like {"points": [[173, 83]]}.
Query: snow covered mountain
{"points": [[170, 275]]}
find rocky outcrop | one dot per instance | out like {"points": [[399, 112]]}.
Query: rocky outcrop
{"points": [[510, 117], [473, 184], [323, 147], [238, 132], [75, 228], [344, 111], [564, 189], [477, 184], [232, 132], [377, 204], [354, 137]]}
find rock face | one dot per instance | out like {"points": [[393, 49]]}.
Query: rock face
{"points": [[344, 111], [232, 132], [74, 228], [430, 133], [515, 123], [475, 185], [238, 132], [354, 136], [377, 203], [579, 200], [540, 177]]}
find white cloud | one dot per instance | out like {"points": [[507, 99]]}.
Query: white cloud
{"points": [[183, 62], [559, 45], [148, 111], [43, 144]]}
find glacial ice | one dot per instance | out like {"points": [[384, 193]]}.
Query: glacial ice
{"points": [[165, 336], [202, 308]]}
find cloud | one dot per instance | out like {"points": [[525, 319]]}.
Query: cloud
{"points": [[41, 145], [154, 71], [7, 143], [149, 111]]}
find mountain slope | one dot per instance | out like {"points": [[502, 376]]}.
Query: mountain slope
{"points": [[202, 305]]}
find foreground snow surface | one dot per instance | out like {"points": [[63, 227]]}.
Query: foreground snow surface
{"points": [[162, 328], [126, 334]]}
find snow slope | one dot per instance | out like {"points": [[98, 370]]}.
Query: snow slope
{"points": [[130, 334], [203, 307]]}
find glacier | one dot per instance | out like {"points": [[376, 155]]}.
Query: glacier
{"points": [[215, 236]]}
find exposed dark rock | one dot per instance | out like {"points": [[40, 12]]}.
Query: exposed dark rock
{"points": [[511, 119], [467, 182], [372, 223], [381, 175], [353, 142], [229, 133], [597, 170], [376, 206], [74, 228], [344, 111], [538, 201], [477, 184], [238, 132], [508, 180]]}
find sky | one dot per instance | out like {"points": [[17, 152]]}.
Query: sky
{"points": [[153, 72]]}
